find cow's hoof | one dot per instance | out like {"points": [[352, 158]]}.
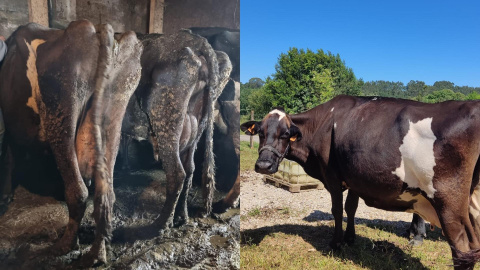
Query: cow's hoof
{"points": [[335, 245], [350, 240], [415, 242], [180, 220], [219, 207]]}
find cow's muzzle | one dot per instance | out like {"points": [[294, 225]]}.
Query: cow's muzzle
{"points": [[268, 159]]}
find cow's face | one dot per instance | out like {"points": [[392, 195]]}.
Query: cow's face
{"points": [[276, 133]]}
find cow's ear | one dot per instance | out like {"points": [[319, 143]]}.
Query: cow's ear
{"points": [[250, 127], [295, 133]]}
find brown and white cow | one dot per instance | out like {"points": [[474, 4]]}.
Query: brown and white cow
{"points": [[64, 92], [397, 155]]}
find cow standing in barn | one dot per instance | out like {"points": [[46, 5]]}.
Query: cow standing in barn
{"points": [[396, 155], [64, 93], [182, 77]]}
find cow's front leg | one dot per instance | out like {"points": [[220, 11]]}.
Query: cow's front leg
{"points": [[181, 211], [337, 211], [351, 205], [175, 176]]}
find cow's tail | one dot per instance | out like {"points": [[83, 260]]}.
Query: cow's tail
{"points": [[104, 197], [219, 72], [466, 260]]}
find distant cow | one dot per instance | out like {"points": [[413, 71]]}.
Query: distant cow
{"points": [[396, 155], [182, 77], [65, 92]]}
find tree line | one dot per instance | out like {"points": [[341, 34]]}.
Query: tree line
{"points": [[304, 79]]}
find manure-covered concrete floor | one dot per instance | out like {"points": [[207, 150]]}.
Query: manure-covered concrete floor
{"points": [[34, 222]]}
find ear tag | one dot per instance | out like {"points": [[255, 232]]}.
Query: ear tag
{"points": [[294, 138], [250, 129]]}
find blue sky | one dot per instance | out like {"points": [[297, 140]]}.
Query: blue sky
{"points": [[380, 40]]}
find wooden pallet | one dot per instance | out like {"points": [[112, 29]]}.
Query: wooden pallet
{"points": [[294, 188]]}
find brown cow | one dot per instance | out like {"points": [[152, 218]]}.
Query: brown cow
{"points": [[182, 77], [395, 154], [64, 92]]}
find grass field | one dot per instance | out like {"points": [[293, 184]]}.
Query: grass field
{"points": [[379, 245]]}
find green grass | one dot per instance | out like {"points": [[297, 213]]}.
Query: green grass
{"points": [[306, 247], [248, 156]]}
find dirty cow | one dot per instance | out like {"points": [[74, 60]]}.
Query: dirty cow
{"points": [[397, 155], [65, 92], [182, 77], [227, 112]]}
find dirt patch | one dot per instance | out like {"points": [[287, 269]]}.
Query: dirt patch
{"points": [[266, 205], [34, 222]]}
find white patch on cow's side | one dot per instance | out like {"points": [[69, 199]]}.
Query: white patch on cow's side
{"points": [[474, 207], [418, 158], [335, 125], [280, 113], [32, 73], [375, 98], [361, 120], [421, 207], [332, 109], [32, 76]]}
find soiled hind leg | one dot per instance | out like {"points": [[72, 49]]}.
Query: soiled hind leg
{"points": [[181, 211]]}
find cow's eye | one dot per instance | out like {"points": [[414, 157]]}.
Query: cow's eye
{"points": [[285, 135]]}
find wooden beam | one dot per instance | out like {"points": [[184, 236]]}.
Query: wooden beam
{"points": [[38, 11], [156, 16]]}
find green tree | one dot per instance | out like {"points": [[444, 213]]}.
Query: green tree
{"points": [[245, 91], [443, 95], [304, 79], [473, 96]]}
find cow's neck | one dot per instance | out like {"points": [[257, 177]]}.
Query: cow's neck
{"points": [[310, 123]]}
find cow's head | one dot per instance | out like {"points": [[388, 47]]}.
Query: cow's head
{"points": [[276, 132]]}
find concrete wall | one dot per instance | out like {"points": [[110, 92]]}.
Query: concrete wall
{"points": [[205, 13]]}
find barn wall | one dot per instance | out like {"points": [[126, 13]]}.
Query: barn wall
{"points": [[126, 14], [123, 15], [206, 13], [12, 14]]}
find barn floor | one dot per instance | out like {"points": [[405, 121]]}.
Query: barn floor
{"points": [[34, 222]]}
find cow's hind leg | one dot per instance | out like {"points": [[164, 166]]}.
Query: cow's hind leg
{"points": [[459, 231], [351, 205], [76, 193], [417, 230], [181, 211], [175, 176]]}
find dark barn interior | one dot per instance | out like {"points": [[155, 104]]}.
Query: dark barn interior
{"points": [[33, 214]]}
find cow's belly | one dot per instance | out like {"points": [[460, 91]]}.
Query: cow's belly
{"points": [[408, 201]]}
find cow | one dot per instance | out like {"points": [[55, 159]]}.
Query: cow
{"points": [[182, 77], [64, 93], [227, 134], [397, 155]]}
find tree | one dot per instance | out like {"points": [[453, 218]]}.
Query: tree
{"points": [[443, 95], [416, 89], [245, 91], [304, 79]]}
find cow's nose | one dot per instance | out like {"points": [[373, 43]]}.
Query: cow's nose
{"points": [[263, 166]]}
